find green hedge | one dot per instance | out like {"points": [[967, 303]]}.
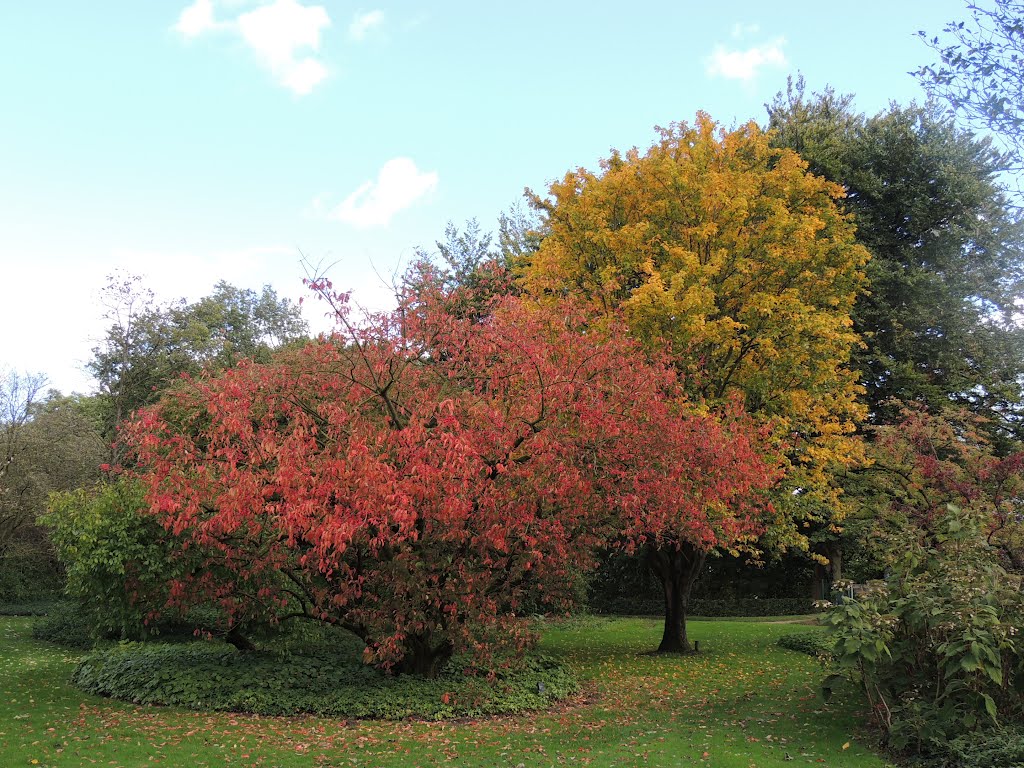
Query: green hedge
{"points": [[72, 625], [29, 577], [787, 606], [213, 676], [813, 643], [27, 608]]}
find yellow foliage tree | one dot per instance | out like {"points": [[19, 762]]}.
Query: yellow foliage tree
{"points": [[729, 254]]}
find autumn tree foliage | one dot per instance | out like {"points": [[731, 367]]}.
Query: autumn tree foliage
{"points": [[726, 250], [418, 476], [702, 486], [728, 253]]}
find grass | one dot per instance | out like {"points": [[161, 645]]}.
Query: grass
{"points": [[808, 618], [743, 702]]}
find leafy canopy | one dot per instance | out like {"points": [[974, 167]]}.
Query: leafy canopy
{"points": [[422, 476], [724, 250], [946, 262], [147, 345]]}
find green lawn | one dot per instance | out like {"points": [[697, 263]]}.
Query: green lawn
{"points": [[741, 702]]}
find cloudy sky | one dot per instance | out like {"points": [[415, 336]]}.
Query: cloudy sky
{"points": [[225, 139]]}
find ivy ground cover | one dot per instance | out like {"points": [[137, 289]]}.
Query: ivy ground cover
{"points": [[741, 702]]}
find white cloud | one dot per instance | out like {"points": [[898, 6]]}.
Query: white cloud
{"points": [[276, 32], [302, 75], [746, 64], [196, 19], [284, 34], [399, 184], [363, 23]]}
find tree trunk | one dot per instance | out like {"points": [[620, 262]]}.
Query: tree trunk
{"points": [[827, 575], [818, 582], [677, 568], [235, 637], [424, 658]]}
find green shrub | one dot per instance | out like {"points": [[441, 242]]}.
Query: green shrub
{"points": [[29, 570], [625, 584], [66, 625], [935, 649], [73, 625], [813, 643], [216, 677], [998, 748], [752, 606], [117, 557], [28, 608]]}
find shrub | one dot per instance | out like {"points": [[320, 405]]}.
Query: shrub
{"points": [[622, 581], [117, 558], [67, 625], [29, 571], [28, 608], [214, 676], [73, 625], [935, 648], [999, 748], [814, 643], [779, 606]]}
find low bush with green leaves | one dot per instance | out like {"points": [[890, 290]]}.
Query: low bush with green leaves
{"points": [[27, 608], [215, 676], [936, 648], [67, 625], [29, 577], [998, 748], [117, 558], [813, 643]]}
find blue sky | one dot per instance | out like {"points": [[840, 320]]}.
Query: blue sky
{"points": [[218, 139]]}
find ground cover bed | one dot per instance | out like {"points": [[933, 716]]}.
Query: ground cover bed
{"points": [[743, 701]]}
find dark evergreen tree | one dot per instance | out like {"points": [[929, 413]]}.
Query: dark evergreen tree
{"points": [[947, 265]]}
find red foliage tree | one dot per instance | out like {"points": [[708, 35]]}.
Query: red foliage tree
{"points": [[419, 477], [702, 486]]}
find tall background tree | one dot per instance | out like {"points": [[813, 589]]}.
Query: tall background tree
{"points": [[947, 253], [474, 267], [148, 345], [938, 321], [19, 394], [50, 443]]}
